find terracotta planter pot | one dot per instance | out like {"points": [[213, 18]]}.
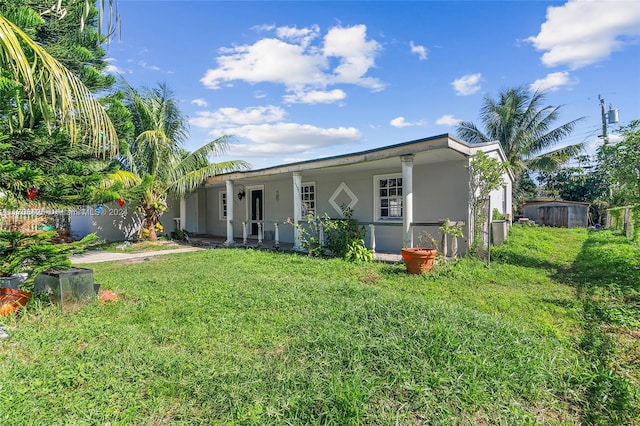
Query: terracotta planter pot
{"points": [[418, 260], [12, 300]]}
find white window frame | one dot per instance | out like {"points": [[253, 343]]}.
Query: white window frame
{"points": [[222, 205], [377, 207], [303, 203]]}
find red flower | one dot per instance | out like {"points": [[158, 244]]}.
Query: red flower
{"points": [[355, 234], [32, 192]]}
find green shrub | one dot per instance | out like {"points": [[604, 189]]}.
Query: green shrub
{"points": [[342, 237]]}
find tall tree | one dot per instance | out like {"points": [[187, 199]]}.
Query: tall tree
{"points": [[40, 86], [158, 158], [81, 52], [619, 163], [65, 174], [525, 129], [62, 173]]}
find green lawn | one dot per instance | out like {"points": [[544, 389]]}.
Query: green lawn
{"points": [[546, 335], [136, 247]]}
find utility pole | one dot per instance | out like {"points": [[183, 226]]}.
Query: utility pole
{"points": [[605, 137], [610, 117]]}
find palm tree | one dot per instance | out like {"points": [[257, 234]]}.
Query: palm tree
{"points": [[525, 130], [41, 84], [158, 158]]}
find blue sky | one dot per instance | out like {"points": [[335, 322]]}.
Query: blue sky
{"points": [[297, 80]]}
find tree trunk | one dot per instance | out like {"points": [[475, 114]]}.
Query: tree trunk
{"points": [[150, 221]]}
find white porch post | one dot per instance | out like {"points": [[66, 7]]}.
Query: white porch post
{"points": [[230, 240], [407, 202], [183, 213], [297, 208], [244, 233], [372, 232]]}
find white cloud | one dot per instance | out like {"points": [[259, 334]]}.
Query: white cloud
{"points": [[614, 138], [316, 97], [200, 102], [448, 120], [112, 68], [263, 62], [553, 82], [290, 138], [356, 53], [302, 36], [228, 117], [421, 51], [467, 84], [308, 66], [263, 27], [400, 122], [583, 32], [145, 65]]}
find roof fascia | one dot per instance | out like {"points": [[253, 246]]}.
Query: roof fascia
{"points": [[405, 148]]}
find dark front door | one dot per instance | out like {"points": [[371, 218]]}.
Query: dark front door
{"points": [[256, 209]]}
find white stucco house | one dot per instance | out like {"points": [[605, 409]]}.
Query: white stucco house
{"points": [[396, 191]]}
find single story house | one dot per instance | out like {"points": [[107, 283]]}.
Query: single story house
{"points": [[557, 213], [396, 191]]}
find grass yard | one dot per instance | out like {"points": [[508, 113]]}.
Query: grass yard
{"points": [[136, 247], [547, 335]]}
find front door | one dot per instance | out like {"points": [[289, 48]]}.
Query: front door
{"points": [[255, 209]]}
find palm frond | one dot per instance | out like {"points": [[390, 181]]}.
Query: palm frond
{"points": [[59, 95], [123, 177], [188, 182], [468, 132], [524, 127]]}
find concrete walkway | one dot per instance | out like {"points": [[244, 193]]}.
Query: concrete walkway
{"points": [[103, 256]]}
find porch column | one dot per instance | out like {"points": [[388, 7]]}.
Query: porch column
{"points": [[230, 240], [183, 213], [407, 201], [297, 208]]}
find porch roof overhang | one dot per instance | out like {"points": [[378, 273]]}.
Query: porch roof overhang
{"points": [[434, 149]]}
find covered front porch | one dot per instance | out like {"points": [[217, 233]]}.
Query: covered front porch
{"points": [[396, 195], [446, 242]]}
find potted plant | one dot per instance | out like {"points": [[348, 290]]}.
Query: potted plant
{"points": [[15, 258], [419, 260], [26, 256]]}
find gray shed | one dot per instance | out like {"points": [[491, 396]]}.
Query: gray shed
{"points": [[558, 213]]}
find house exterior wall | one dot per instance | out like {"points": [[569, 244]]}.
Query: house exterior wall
{"points": [[436, 166], [111, 223], [192, 213], [118, 223], [440, 192], [170, 217]]}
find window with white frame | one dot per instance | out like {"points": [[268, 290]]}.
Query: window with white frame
{"points": [[308, 197], [222, 198], [388, 197]]}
